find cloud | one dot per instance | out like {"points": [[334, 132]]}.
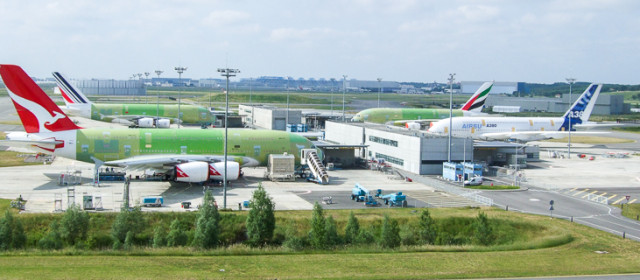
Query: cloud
{"points": [[299, 35]]}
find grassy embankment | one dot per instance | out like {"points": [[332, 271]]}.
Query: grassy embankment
{"points": [[540, 246]]}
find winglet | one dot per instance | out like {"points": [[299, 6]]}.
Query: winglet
{"points": [[37, 111], [476, 102], [581, 109]]}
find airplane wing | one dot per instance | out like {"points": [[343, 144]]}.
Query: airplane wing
{"points": [[525, 136], [404, 122], [44, 146], [166, 162], [592, 125]]}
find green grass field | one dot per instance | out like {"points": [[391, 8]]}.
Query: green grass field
{"points": [[557, 247]]}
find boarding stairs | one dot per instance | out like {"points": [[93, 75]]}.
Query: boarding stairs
{"points": [[311, 159]]}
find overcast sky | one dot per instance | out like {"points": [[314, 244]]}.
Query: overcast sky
{"points": [[400, 40]]}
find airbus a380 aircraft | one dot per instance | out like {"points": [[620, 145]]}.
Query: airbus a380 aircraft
{"points": [[185, 155], [144, 115], [406, 115], [523, 128]]}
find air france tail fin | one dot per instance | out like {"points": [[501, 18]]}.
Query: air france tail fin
{"points": [[71, 94], [581, 110], [37, 111], [476, 102]]}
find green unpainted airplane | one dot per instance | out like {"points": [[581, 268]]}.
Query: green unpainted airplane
{"points": [[405, 115], [184, 155], [144, 115]]}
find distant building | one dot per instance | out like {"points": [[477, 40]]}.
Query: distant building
{"points": [[112, 87], [605, 105], [469, 87]]}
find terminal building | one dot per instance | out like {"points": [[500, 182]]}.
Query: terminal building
{"points": [[268, 117], [112, 87], [414, 150]]}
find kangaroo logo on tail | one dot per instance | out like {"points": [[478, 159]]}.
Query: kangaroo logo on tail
{"points": [[37, 111]]}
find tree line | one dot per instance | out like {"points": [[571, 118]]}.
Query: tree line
{"points": [[257, 230]]}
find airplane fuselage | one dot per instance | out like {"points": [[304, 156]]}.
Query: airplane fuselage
{"points": [[116, 144], [383, 115], [190, 114], [478, 127]]}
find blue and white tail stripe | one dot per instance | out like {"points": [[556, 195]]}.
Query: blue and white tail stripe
{"points": [[69, 92], [581, 110]]}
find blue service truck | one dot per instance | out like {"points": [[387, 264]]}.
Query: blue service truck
{"points": [[394, 199], [360, 193]]}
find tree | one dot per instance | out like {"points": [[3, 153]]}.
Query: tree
{"points": [[428, 228], [317, 232], [352, 229], [331, 236], [390, 233], [12, 234], [483, 230], [261, 221], [159, 237], [207, 223], [177, 236], [74, 225], [127, 220]]}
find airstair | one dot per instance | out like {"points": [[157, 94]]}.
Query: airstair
{"points": [[310, 158]]}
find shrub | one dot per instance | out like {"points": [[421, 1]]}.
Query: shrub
{"points": [[159, 237], [292, 240], [365, 236], [177, 235], [428, 228], [207, 228], [12, 234], [51, 241], [74, 225], [127, 221], [390, 233], [128, 241], [261, 220], [483, 231], [317, 232], [99, 240], [352, 229], [331, 233]]}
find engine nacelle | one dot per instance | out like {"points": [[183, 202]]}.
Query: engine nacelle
{"points": [[413, 125], [145, 122], [200, 171], [216, 170], [192, 172], [163, 123]]}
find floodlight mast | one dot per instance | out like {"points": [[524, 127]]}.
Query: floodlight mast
{"points": [[344, 90], [379, 90], [451, 80], [226, 72], [571, 81], [180, 70], [158, 72]]}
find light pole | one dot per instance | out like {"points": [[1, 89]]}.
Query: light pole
{"points": [[451, 79], [251, 101], [144, 83], [180, 70], [158, 72], [379, 90], [287, 117], [333, 81], [226, 72], [344, 91], [571, 81]]}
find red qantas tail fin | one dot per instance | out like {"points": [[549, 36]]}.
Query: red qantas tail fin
{"points": [[37, 111]]}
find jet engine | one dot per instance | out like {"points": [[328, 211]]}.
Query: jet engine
{"points": [[163, 123], [199, 171], [145, 122]]}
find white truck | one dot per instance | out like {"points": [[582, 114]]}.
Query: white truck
{"points": [[474, 181]]}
